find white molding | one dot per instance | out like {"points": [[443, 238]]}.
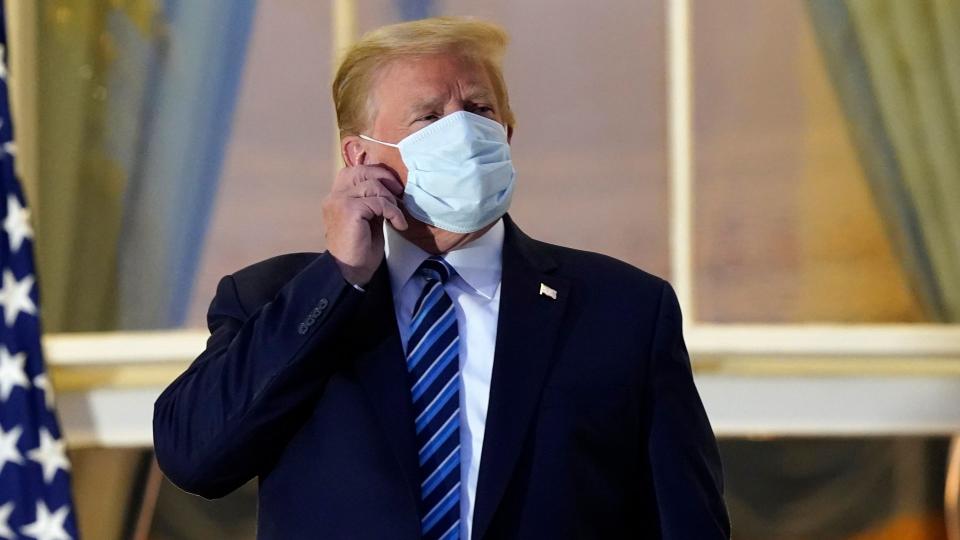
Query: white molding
{"points": [[831, 406], [825, 340], [343, 32], [680, 144], [737, 407], [108, 417], [98, 348], [920, 396]]}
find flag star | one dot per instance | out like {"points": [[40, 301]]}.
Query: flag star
{"points": [[11, 372], [47, 526], [17, 223], [42, 382], [50, 455], [5, 531], [8, 447], [15, 297], [10, 147], [3, 62]]}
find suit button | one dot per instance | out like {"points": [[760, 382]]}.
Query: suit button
{"points": [[302, 329], [322, 305], [310, 320], [316, 313]]}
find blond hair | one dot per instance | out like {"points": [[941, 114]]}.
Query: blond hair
{"points": [[472, 39]]}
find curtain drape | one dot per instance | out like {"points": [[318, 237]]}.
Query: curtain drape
{"points": [[894, 65], [135, 99], [133, 102], [896, 69]]}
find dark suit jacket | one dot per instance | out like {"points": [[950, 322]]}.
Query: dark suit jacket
{"points": [[594, 427]]}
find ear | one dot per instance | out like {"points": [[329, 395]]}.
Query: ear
{"points": [[509, 133], [353, 151]]}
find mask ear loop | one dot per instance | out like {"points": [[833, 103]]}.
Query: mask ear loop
{"points": [[371, 139]]}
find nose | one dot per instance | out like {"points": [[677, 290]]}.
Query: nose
{"points": [[455, 105]]}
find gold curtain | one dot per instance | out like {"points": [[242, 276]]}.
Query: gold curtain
{"points": [[61, 54], [912, 52], [895, 65], [79, 189]]}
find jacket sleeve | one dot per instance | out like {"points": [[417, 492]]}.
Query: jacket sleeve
{"points": [[238, 402], [685, 462]]}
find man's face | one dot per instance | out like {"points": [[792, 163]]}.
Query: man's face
{"points": [[411, 93]]}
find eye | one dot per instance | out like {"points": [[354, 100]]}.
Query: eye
{"points": [[428, 118], [484, 110]]}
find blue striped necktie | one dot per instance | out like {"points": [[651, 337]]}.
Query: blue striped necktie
{"points": [[433, 367]]}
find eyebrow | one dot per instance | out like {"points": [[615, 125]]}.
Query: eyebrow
{"points": [[474, 93], [425, 104], [477, 91]]}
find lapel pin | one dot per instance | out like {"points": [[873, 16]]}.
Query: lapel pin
{"points": [[548, 291]]}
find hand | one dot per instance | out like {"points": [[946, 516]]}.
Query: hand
{"points": [[353, 212]]}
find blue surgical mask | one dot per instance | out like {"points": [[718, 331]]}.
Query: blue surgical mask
{"points": [[459, 174]]}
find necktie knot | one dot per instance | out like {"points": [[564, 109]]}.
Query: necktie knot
{"points": [[436, 269]]}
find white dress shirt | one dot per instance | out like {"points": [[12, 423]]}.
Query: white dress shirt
{"points": [[475, 292]]}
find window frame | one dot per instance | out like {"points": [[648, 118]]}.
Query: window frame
{"points": [[756, 380]]}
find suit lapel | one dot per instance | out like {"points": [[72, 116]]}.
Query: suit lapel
{"points": [[383, 375], [526, 334]]}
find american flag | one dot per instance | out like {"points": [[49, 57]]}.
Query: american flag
{"points": [[35, 499]]}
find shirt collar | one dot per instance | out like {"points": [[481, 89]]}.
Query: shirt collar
{"points": [[479, 263]]}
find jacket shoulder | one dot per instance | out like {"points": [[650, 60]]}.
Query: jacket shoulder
{"points": [[608, 287], [602, 269], [259, 282]]}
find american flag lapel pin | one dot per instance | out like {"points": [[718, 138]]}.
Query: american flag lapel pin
{"points": [[548, 291]]}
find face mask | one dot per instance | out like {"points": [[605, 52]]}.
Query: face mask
{"points": [[459, 174]]}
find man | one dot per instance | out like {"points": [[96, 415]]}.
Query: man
{"points": [[437, 373]]}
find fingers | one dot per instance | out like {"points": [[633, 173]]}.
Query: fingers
{"points": [[372, 188], [349, 179], [361, 197], [372, 207], [388, 178]]}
